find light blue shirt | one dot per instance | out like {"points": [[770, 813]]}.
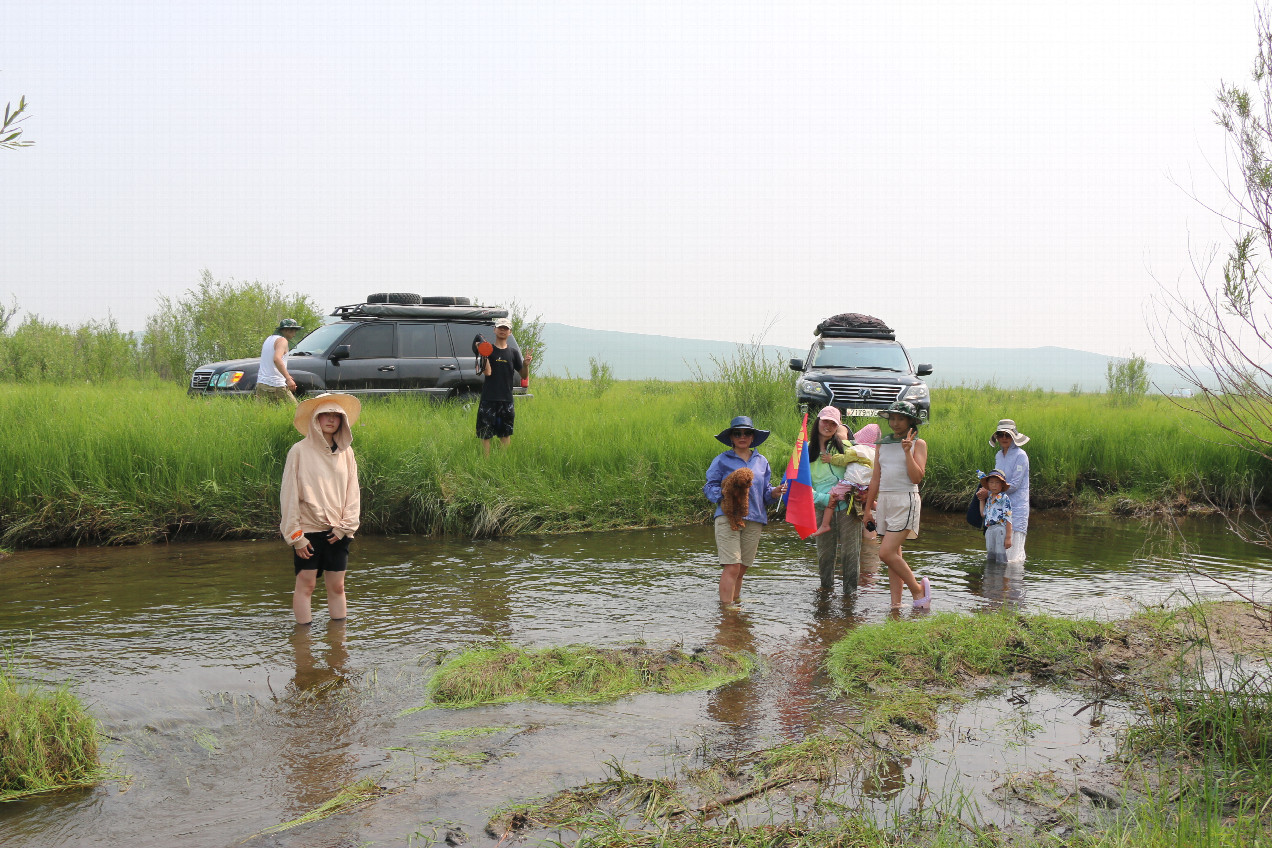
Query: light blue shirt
{"points": [[759, 496], [1015, 465]]}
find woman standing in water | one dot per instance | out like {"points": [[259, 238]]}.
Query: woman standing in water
{"points": [[736, 547], [320, 500], [1014, 463], [899, 467], [839, 548]]}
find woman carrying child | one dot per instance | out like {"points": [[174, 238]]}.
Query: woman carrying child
{"points": [[840, 475], [899, 467], [320, 499], [738, 533], [996, 515]]}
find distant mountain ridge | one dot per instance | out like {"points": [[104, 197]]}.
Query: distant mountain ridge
{"points": [[636, 356]]}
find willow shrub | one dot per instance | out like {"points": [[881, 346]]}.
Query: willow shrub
{"points": [[47, 739]]}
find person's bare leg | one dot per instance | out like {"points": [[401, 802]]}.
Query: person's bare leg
{"points": [[737, 584], [729, 576], [302, 595], [505, 440], [827, 514], [336, 605], [898, 570], [485, 447]]}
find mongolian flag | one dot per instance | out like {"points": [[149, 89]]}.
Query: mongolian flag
{"points": [[800, 512]]}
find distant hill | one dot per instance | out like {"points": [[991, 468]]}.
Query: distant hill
{"points": [[634, 356]]}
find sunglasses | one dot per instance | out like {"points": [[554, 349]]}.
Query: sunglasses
{"points": [[739, 433]]}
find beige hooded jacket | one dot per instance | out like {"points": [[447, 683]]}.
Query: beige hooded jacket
{"points": [[320, 486]]}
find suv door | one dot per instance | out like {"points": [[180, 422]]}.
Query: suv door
{"points": [[371, 365], [426, 362]]}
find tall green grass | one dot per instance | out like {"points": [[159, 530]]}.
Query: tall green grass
{"points": [[1087, 445], [47, 739], [130, 462]]}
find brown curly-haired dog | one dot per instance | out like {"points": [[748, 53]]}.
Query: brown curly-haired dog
{"points": [[736, 490]]}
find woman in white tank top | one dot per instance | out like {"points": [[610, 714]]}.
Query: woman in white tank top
{"points": [[900, 463]]}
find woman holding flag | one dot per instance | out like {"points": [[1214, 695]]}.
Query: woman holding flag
{"points": [[839, 548], [736, 548]]}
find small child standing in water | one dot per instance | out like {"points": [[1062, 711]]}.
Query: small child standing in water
{"points": [[996, 511]]}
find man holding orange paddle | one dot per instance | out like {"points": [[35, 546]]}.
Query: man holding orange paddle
{"points": [[495, 412]]}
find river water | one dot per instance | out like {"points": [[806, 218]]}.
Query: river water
{"points": [[225, 719]]}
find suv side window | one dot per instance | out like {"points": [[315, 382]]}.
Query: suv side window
{"points": [[418, 340], [371, 341]]}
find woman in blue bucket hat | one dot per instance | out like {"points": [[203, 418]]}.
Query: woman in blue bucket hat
{"points": [[738, 539]]}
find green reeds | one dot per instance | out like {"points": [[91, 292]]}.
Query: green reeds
{"points": [[578, 674], [47, 738], [131, 463]]}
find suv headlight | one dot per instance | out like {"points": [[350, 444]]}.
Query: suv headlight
{"points": [[918, 392], [228, 379], [812, 387]]}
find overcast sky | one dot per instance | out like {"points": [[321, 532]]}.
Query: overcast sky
{"points": [[978, 174]]}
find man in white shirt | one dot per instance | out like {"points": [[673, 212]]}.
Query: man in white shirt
{"points": [[273, 381]]}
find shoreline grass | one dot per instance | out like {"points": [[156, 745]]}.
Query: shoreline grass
{"points": [[48, 741], [578, 674], [135, 462], [1195, 769]]}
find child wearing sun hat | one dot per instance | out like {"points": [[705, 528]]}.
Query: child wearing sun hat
{"points": [[996, 512]]}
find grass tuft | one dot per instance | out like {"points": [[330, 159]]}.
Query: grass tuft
{"points": [[579, 674], [47, 739]]}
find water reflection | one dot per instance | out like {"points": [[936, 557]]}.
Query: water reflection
{"points": [[316, 718], [312, 675], [1003, 584]]}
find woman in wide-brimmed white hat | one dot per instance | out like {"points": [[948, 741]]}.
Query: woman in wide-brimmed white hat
{"points": [[320, 499], [1014, 463]]}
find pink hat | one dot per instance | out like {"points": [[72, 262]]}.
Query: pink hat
{"points": [[867, 435], [830, 413]]}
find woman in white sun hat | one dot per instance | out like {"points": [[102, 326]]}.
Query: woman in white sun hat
{"points": [[1014, 463]]}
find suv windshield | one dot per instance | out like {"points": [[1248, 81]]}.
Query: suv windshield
{"points": [[319, 340], [838, 353]]}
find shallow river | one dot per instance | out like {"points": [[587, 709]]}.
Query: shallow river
{"points": [[225, 721]]}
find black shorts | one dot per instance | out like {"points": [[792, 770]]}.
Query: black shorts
{"points": [[494, 419], [326, 556]]}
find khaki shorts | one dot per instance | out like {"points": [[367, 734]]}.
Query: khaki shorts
{"points": [[737, 545], [896, 512], [276, 394]]}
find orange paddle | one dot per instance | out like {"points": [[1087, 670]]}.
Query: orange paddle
{"points": [[485, 348]]}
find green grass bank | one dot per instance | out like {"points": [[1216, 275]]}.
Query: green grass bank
{"points": [[128, 463]]}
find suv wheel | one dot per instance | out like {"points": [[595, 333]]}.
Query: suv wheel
{"points": [[407, 298]]}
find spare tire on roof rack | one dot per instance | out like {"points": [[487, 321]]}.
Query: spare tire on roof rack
{"points": [[408, 298], [439, 300]]}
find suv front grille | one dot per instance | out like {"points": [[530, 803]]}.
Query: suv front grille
{"points": [[859, 393], [200, 379]]}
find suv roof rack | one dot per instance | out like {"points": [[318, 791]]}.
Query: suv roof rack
{"points": [[858, 333], [402, 310]]}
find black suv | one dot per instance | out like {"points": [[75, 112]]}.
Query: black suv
{"points": [[861, 370], [395, 342]]}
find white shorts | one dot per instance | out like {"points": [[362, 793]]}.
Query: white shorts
{"points": [[896, 512], [735, 546]]}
